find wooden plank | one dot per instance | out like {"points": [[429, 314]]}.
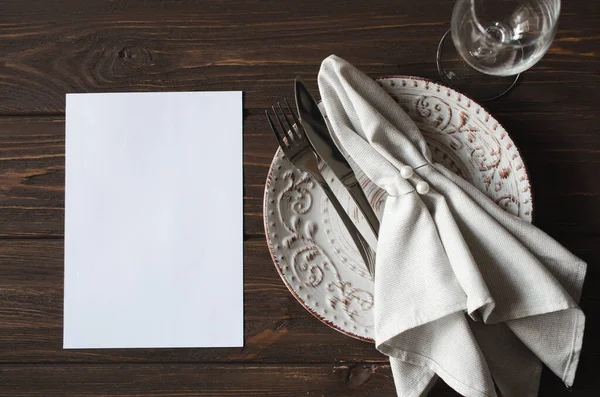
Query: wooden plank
{"points": [[180, 380], [256, 47], [562, 156], [129, 380], [277, 327]]}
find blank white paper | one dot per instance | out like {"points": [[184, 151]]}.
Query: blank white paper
{"points": [[153, 220]]}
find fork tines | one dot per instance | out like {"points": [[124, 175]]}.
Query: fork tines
{"points": [[284, 134]]}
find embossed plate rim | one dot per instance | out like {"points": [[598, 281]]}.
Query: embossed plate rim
{"points": [[486, 112], [280, 272], [269, 178]]}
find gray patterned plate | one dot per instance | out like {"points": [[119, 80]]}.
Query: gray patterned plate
{"points": [[310, 247]]}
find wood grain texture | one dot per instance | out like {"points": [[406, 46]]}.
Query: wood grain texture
{"points": [[128, 380], [48, 49], [218, 380], [257, 46], [562, 155]]}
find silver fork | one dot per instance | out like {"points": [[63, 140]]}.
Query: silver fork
{"points": [[298, 150]]}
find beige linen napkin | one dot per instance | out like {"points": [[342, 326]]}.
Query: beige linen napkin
{"points": [[463, 290]]}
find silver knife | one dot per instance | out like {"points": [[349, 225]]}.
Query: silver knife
{"points": [[319, 136]]}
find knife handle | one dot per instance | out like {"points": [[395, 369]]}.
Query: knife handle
{"points": [[364, 206], [367, 254]]}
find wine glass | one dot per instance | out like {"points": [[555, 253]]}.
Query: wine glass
{"points": [[493, 41]]}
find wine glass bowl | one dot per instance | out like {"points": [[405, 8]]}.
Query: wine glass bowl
{"points": [[503, 37], [497, 38]]}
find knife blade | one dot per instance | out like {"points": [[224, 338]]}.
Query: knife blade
{"points": [[320, 138]]}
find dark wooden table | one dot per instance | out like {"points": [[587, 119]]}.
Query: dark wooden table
{"points": [[49, 48]]}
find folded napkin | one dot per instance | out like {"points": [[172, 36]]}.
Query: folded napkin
{"points": [[463, 290]]}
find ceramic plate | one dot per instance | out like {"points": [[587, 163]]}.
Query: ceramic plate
{"points": [[309, 245]]}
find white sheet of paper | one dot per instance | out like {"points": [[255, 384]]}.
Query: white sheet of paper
{"points": [[153, 220]]}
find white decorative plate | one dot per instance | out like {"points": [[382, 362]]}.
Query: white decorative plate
{"points": [[309, 245]]}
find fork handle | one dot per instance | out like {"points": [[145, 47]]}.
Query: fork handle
{"points": [[367, 254]]}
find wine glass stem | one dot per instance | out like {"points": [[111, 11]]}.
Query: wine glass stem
{"points": [[464, 77], [488, 52]]}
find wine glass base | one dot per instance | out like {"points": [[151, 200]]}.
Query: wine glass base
{"points": [[455, 72]]}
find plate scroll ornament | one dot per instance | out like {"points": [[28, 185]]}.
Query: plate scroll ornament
{"points": [[310, 247]]}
